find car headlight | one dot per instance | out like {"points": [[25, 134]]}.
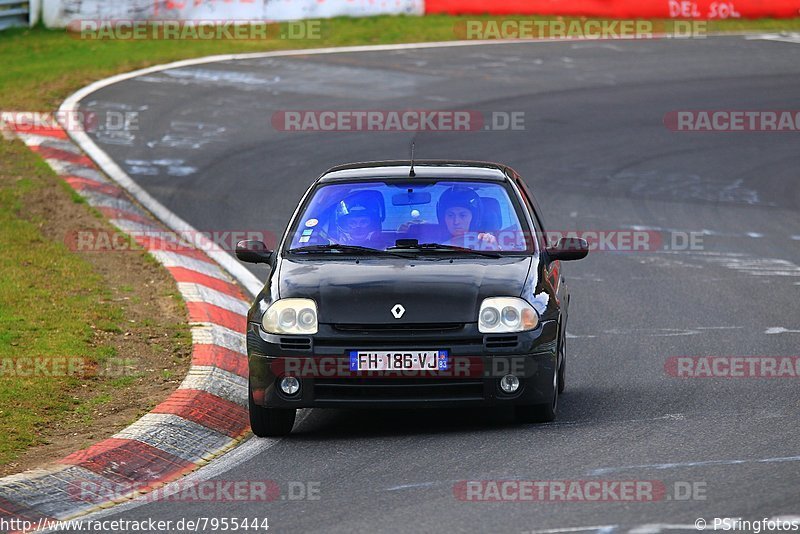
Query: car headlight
{"points": [[291, 316], [506, 314]]}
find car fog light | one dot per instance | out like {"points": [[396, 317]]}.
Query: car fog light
{"points": [[290, 385], [509, 383]]}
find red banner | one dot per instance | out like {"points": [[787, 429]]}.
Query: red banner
{"points": [[684, 9]]}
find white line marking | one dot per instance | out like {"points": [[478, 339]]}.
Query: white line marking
{"points": [[578, 336], [412, 486], [703, 463], [596, 528], [704, 231], [780, 330], [655, 528], [784, 37], [654, 332]]}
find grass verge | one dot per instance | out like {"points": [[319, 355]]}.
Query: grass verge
{"points": [[78, 358]]}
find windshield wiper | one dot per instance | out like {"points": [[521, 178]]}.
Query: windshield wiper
{"points": [[338, 247], [451, 248]]}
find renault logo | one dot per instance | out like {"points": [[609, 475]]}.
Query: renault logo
{"points": [[398, 310]]}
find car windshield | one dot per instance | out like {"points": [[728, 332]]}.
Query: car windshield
{"points": [[430, 215]]}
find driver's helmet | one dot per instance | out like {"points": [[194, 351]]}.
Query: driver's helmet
{"points": [[358, 216], [462, 197]]}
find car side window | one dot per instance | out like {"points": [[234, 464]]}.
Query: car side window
{"points": [[531, 205]]}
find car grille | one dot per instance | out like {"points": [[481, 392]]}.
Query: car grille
{"points": [[405, 328], [397, 389], [397, 336]]}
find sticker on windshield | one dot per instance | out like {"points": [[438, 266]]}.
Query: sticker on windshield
{"points": [[311, 223], [305, 239], [308, 231]]}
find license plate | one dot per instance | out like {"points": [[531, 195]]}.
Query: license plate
{"points": [[395, 360]]}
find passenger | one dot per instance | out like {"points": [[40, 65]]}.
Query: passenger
{"points": [[459, 212]]}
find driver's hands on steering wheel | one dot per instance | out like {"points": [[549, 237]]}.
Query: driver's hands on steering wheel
{"points": [[487, 241]]}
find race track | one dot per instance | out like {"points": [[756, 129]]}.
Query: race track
{"points": [[598, 156]]}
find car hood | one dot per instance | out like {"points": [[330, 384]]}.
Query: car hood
{"points": [[437, 291]]}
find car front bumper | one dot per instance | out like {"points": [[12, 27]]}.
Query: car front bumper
{"points": [[477, 363]]}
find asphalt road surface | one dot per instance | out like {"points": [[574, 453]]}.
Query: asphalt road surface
{"points": [[596, 152]]}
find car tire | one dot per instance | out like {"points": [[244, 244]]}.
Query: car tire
{"points": [[270, 422], [539, 413]]}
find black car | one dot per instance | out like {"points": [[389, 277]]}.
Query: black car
{"points": [[410, 284]]}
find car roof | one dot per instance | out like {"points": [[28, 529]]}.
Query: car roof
{"points": [[422, 169]]}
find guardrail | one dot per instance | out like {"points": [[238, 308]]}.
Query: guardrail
{"points": [[14, 13]]}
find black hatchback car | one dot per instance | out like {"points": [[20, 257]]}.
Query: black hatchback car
{"points": [[400, 284]]}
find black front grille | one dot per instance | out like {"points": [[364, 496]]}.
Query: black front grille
{"points": [[397, 389], [405, 328], [296, 343], [501, 342], [396, 342]]}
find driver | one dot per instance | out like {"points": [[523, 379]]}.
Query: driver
{"points": [[459, 211], [358, 219]]}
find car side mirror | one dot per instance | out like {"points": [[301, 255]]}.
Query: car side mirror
{"points": [[253, 252], [568, 249]]}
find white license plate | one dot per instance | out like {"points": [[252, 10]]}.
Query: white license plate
{"points": [[398, 360]]}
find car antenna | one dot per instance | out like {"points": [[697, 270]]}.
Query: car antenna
{"points": [[411, 172]]}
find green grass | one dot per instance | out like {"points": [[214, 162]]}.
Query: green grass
{"points": [[124, 381], [49, 298], [41, 67]]}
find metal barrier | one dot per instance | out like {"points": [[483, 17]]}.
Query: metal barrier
{"points": [[14, 13]]}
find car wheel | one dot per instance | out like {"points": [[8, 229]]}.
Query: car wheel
{"points": [[539, 413], [270, 422], [562, 369]]}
